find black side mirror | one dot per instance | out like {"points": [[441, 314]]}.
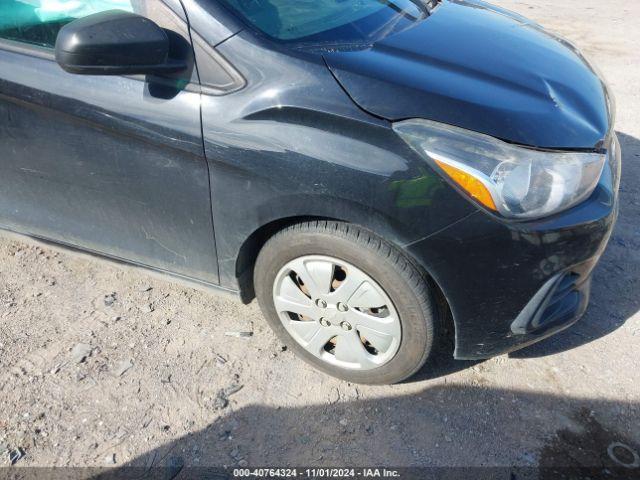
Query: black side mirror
{"points": [[115, 43]]}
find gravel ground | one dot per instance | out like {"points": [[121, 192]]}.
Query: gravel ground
{"points": [[104, 366]]}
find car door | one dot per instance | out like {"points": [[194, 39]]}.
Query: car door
{"points": [[109, 164]]}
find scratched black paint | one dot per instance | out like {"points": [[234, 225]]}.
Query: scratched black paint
{"points": [[179, 173]]}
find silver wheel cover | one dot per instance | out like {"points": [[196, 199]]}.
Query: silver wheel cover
{"points": [[337, 312]]}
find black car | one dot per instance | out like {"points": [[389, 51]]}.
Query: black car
{"points": [[375, 172]]}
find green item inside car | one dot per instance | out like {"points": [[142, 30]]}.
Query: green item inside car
{"points": [[38, 21]]}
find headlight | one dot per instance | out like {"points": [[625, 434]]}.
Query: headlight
{"points": [[514, 181]]}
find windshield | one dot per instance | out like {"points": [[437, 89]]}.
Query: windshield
{"points": [[328, 20]]}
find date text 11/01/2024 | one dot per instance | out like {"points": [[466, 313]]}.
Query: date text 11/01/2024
{"points": [[316, 473]]}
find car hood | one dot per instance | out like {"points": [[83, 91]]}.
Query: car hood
{"points": [[484, 69]]}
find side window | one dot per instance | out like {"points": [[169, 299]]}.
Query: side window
{"points": [[37, 22]]}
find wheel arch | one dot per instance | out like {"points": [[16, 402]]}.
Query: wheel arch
{"points": [[444, 326], [294, 209], [251, 247]]}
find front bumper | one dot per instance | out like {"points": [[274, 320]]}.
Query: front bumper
{"points": [[512, 284]]}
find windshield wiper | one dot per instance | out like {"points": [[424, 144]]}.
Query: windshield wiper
{"points": [[425, 6]]}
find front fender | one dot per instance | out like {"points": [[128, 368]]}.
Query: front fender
{"points": [[292, 144]]}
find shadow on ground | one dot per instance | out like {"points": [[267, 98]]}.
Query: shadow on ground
{"points": [[440, 426]]}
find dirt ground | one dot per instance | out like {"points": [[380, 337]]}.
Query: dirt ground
{"points": [[162, 382]]}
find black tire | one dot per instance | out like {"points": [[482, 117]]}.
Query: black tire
{"points": [[403, 282]]}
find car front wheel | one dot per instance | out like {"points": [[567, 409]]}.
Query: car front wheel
{"points": [[346, 301]]}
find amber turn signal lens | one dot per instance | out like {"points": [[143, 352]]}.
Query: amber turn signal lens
{"points": [[469, 184]]}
